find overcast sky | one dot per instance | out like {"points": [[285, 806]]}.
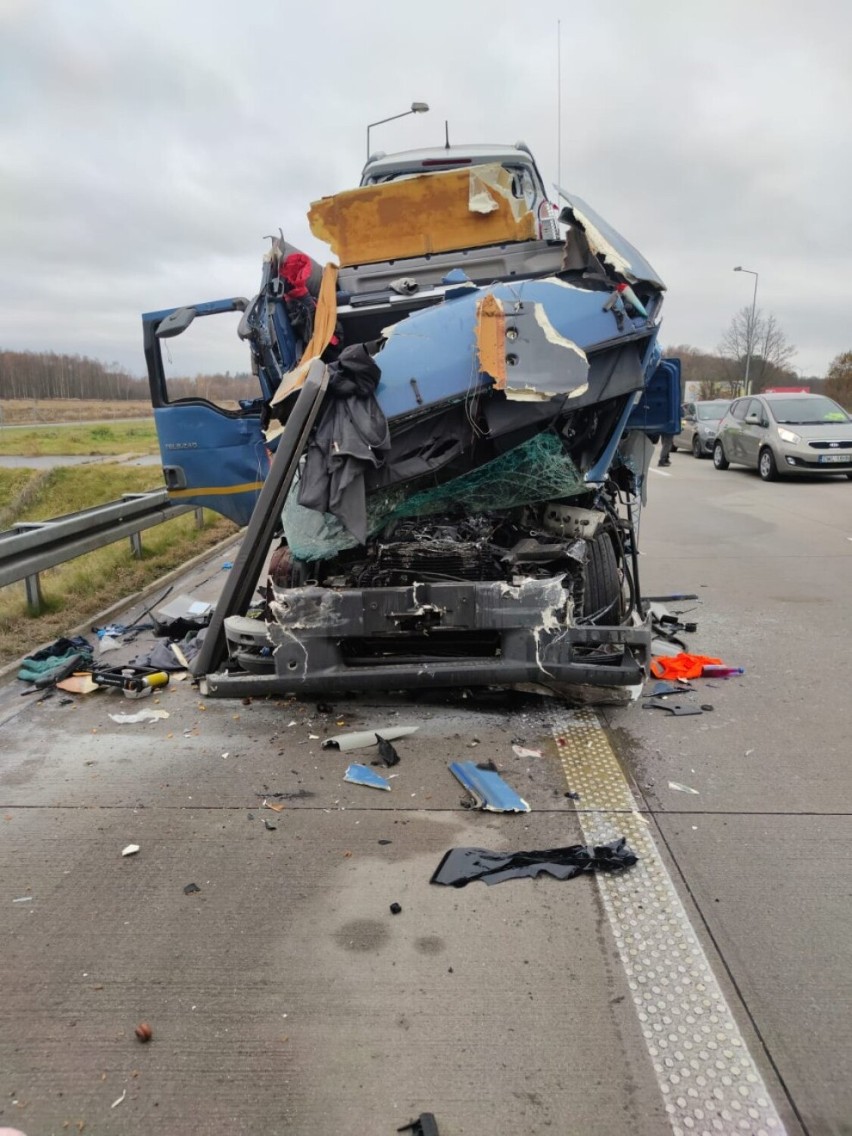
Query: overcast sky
{"points": [[147, 146]]}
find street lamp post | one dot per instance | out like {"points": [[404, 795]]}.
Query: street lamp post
{"points": [[750, 343], [416, 108]]}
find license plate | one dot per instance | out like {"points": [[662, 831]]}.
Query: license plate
{"points": [[834, 457]]}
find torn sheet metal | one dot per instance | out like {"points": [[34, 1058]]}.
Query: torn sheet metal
{"points": [[488, 788], [462, 865], [362, 739], [606, 243], [525, 355], [440, 212], [364, 775]]}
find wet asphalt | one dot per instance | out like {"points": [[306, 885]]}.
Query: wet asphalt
{"points": [[283, 995]]}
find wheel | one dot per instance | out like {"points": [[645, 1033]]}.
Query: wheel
{"points": [[696, 447], [766, 466], [719, 459], [602, 600]]}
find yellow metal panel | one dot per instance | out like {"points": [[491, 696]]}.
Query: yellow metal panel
{"points": [[430, 213]]}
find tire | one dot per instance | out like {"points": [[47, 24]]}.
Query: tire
{"points": [[766, 466], [719, 459], [602, 602], [696, 447]]}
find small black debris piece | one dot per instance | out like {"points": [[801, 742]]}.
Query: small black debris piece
{"points": [[488, 766], [385, 842], [462, 865], [424, 1125], [250, 816], [190, 889], [572, 795], [269, 826], [395, 909], [706, 706], [678, 709], [324, 708], [387, 753]]}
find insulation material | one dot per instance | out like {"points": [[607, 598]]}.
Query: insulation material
{"points": [[440, 212], [491, 339]]}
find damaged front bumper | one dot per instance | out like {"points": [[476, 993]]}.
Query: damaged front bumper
{"points": [[427, 635]]}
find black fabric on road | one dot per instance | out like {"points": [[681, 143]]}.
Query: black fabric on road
{"points": [[461, 865]]}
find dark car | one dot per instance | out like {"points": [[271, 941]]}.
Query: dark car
{"points": [[699, 424]]}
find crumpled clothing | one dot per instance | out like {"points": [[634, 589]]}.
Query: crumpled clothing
{"points": [[350, 437], [295, 271], [163, 658], [51, 663], [680, 666]]}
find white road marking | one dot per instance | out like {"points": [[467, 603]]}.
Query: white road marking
{"points": [[705, 1072]]}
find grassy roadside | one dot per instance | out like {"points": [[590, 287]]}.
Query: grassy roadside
{"points": [[15, 410], [76, 591], [100, 438]]}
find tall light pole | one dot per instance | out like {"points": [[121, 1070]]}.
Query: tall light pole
{"points": [[750, 344], [416, 108]]}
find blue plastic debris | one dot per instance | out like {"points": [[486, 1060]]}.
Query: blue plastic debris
{"points": [[364, 775], [227, 565], [488, 788]]}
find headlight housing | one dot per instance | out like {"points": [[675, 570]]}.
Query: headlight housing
{"points": [[789, 436]]}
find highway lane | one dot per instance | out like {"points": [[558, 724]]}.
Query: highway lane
{"points": [[286, 998]]}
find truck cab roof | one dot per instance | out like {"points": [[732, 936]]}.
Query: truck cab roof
{"points": [[386, 167]]}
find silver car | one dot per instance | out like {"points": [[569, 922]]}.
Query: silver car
{"points": [[785, 434], [699, 423]]}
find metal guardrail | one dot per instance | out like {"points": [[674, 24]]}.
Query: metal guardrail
{"points": [[30, 547]]}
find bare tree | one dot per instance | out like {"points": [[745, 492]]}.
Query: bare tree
{"points": [[762, 341], [838, 383]]}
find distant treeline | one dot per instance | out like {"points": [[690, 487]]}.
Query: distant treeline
{"points": [[46, 375]]}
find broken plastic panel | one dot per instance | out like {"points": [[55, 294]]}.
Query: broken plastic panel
{"points": [[364, 775], [488, 788], [362, 739], [462, 865]]}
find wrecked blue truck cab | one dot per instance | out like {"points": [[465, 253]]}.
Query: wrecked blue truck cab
{"points": [[460, 414]]}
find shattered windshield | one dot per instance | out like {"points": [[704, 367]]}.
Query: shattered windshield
{"points": [[711, 411], [807, 411]]}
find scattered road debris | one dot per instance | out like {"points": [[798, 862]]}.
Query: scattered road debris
{"points": [[144, 1032], [706, 706], [676, 708], [363, 739], [716, 670], [269, 826], [130, 850], [522, 751], [664, 689], [191, 889], [23, 899], [395, 908], [676, 785], [462, 865], [682, 665], [487, 787], [78, 684], [387, 753], [117, 1102], [572, 795], [364, 775], [139, 716], [424, 1125]]}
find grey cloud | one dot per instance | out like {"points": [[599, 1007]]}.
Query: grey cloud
{"points": [[146, 150]]}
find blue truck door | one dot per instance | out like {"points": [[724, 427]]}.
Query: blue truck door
{"points": [[213, 455]]}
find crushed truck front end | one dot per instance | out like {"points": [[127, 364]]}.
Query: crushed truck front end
{"points": [[462, 424]]}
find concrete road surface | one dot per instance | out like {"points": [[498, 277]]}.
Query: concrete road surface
{"points": [[707, 989]]}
